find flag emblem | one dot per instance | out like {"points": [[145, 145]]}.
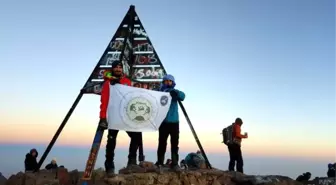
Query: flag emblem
{"points": [[136, 109], [164, 100], [139, 110]]}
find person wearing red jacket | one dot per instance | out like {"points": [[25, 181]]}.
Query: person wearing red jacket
{"points": [[116, 77], [235, 147]]}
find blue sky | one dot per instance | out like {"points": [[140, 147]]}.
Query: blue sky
{"points": [[272, 63]]}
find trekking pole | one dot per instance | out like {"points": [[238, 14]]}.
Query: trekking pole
{"points": [[195, 135]]}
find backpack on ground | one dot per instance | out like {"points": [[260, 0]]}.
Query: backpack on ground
{"points": [[228, 134]]}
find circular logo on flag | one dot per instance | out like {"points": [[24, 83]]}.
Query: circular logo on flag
{"points": [[138, 109], [164, 100]]}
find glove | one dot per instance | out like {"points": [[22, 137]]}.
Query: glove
{"points": [[173, 94], [115, 81], [103, 123]]}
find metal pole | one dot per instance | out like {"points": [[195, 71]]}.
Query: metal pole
{"points": [[195, 135], [59, 130]]}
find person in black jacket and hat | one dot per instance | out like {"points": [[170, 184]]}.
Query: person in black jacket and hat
{"points": [[30, 161]]}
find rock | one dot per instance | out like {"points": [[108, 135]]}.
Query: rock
{"points": [[321, 181], [98, 175], [132, 169], [200, 177], [197, 177], [63, 176], [41, 178], [17, 179], [74, 177], [148, 166], [2, 179]]}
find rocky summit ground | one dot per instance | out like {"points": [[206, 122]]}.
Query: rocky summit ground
{"points": [[198, 177]]}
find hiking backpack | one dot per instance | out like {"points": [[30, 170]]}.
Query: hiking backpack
{"points": [[228, 134]]}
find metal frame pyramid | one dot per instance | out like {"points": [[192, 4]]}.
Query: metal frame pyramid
{"points": [[131, 45]]}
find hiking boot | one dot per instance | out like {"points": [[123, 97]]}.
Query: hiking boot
{"points": [[109, 168], [158, 167], [158, 164], [110, 173], [132, 167], [176, 168], [131, 162]]}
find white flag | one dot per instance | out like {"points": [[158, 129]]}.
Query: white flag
{"points": [[136, 109]]}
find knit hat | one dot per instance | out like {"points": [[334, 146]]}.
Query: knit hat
{"points": [[116, 63]]}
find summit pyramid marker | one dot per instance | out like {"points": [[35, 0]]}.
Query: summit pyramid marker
{"points": [[131, 45]]}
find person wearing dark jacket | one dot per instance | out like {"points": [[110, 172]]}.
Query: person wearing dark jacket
{"points": [[30, 161], [235, 147], [52, 165], [331, 170], [170, 125], [304, 177]]}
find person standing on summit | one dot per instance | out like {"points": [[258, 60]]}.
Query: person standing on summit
{"points": [[116, 77], [170, 125], [235, 147]]}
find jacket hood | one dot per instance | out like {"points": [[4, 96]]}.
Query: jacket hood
{"points": [[33, 150], [163, 87], [168, 77]]}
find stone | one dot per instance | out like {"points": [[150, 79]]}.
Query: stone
{"points": [[186, 177], [2, 179], [63, 176], [74, 177], [17, 179]]}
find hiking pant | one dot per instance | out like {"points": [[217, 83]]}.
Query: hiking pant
{"points": [[141, 154], [166, 129], [111, 144], [235, 156]]}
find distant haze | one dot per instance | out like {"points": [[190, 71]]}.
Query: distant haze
{"points": [[12, 157]]}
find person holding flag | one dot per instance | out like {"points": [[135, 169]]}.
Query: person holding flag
{"points": [[170, 125], [116, 76]]}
